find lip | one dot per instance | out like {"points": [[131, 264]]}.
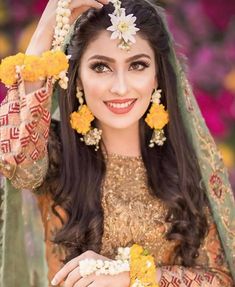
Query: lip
{"points": [[120, 110]]}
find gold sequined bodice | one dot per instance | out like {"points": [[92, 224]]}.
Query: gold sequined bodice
{"points": [[131, 213]]}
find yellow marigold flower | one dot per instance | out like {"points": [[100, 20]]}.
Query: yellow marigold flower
{"points": [[5, 45], [55, 62], [157, 117], [227, 154], [8, 68], [229, 81], [33, 68], [142, 267], [81, 120], [136, 250]]}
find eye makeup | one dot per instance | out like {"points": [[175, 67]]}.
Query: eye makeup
{"points": [[100, 65]]}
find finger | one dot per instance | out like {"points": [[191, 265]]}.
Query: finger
{"points": [[90, 3], [96, 284], [72, 278], [105, 2], [102, 281], [85, 281], [68, 267], [64, 271]]}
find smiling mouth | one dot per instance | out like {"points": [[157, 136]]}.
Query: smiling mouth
{"points": [[120, 106]]}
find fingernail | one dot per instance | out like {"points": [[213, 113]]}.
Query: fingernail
{"points": [[53, 282]]}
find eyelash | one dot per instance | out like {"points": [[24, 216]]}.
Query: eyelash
{"points": [[97, 64]]}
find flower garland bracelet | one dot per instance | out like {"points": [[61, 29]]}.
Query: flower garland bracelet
{"points": [[33, 68], [53, 63], [135, 259]]}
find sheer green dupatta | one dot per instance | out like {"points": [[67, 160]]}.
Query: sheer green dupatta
{"points": [[22, 251], [214, 173], [13, 252]]}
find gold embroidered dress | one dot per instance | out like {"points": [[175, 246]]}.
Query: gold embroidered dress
{"points": [[131, 213]]}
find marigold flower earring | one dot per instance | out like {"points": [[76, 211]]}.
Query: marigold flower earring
{"points": [[156, 119], [81, 122]]}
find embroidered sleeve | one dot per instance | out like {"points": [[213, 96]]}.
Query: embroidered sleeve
{"points": [[211, 269], [24, 128]]}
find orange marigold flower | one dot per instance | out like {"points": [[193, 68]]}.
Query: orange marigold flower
{"points": [[142, 267], [230, 81], [136, 250], [54, 62], [81, 120], [8, 68], [157, 117], [33, 68]]}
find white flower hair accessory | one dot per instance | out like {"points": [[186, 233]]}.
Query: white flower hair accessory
{"points": [[123, 26]]}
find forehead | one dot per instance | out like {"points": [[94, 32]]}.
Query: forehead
{"points": [[103, 45]]}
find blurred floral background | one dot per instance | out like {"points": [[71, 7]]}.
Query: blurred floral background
{"points": [[205, 33]]}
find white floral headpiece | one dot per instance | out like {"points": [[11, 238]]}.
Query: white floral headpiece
{"points": [[123, 26]]}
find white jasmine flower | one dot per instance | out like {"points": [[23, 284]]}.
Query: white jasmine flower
{"points": [[123, 26], [156, 97]]}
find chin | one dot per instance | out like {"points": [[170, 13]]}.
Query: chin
{"points": [[119, 124]]}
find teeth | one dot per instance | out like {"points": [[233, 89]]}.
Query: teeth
{"points": [[120, 106]]}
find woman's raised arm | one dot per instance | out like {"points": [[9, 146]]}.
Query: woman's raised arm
{"points": [[25, 112], [24, 128]]}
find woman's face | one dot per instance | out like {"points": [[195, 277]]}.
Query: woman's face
{"points": [[117, 84]]}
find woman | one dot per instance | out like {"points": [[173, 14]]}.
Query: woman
{"points": [[127, 177]]}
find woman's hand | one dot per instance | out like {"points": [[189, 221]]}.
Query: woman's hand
{"points": [[42, 38], [43, 35], [71, 277]]}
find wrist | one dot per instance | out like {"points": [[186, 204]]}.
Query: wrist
{"points": [[158, 275], [40, 42], [126, 279]]}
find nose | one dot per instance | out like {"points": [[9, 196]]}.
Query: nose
{"points": [[120, 86]]}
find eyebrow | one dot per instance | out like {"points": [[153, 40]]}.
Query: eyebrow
{"points": [[111, 60]]}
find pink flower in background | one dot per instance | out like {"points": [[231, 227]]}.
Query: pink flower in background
{"points": [[212, 114], [199, 28], [220, 12], [208, 67], [188, 28], [19, 12], [39, 6], [226, 102], [182, 40]]}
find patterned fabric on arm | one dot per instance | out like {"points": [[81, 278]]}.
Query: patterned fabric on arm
{"points": [[211, 268], [24, 128]]}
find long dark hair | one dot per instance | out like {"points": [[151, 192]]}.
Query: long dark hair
{"points": [[173, 171]]}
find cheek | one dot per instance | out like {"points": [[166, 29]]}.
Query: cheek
{"points": [[144, 83], [145, 88], [94, 88], [94, 93]]}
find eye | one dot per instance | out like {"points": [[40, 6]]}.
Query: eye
{"points": [[139, 65], [100, 67]]}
